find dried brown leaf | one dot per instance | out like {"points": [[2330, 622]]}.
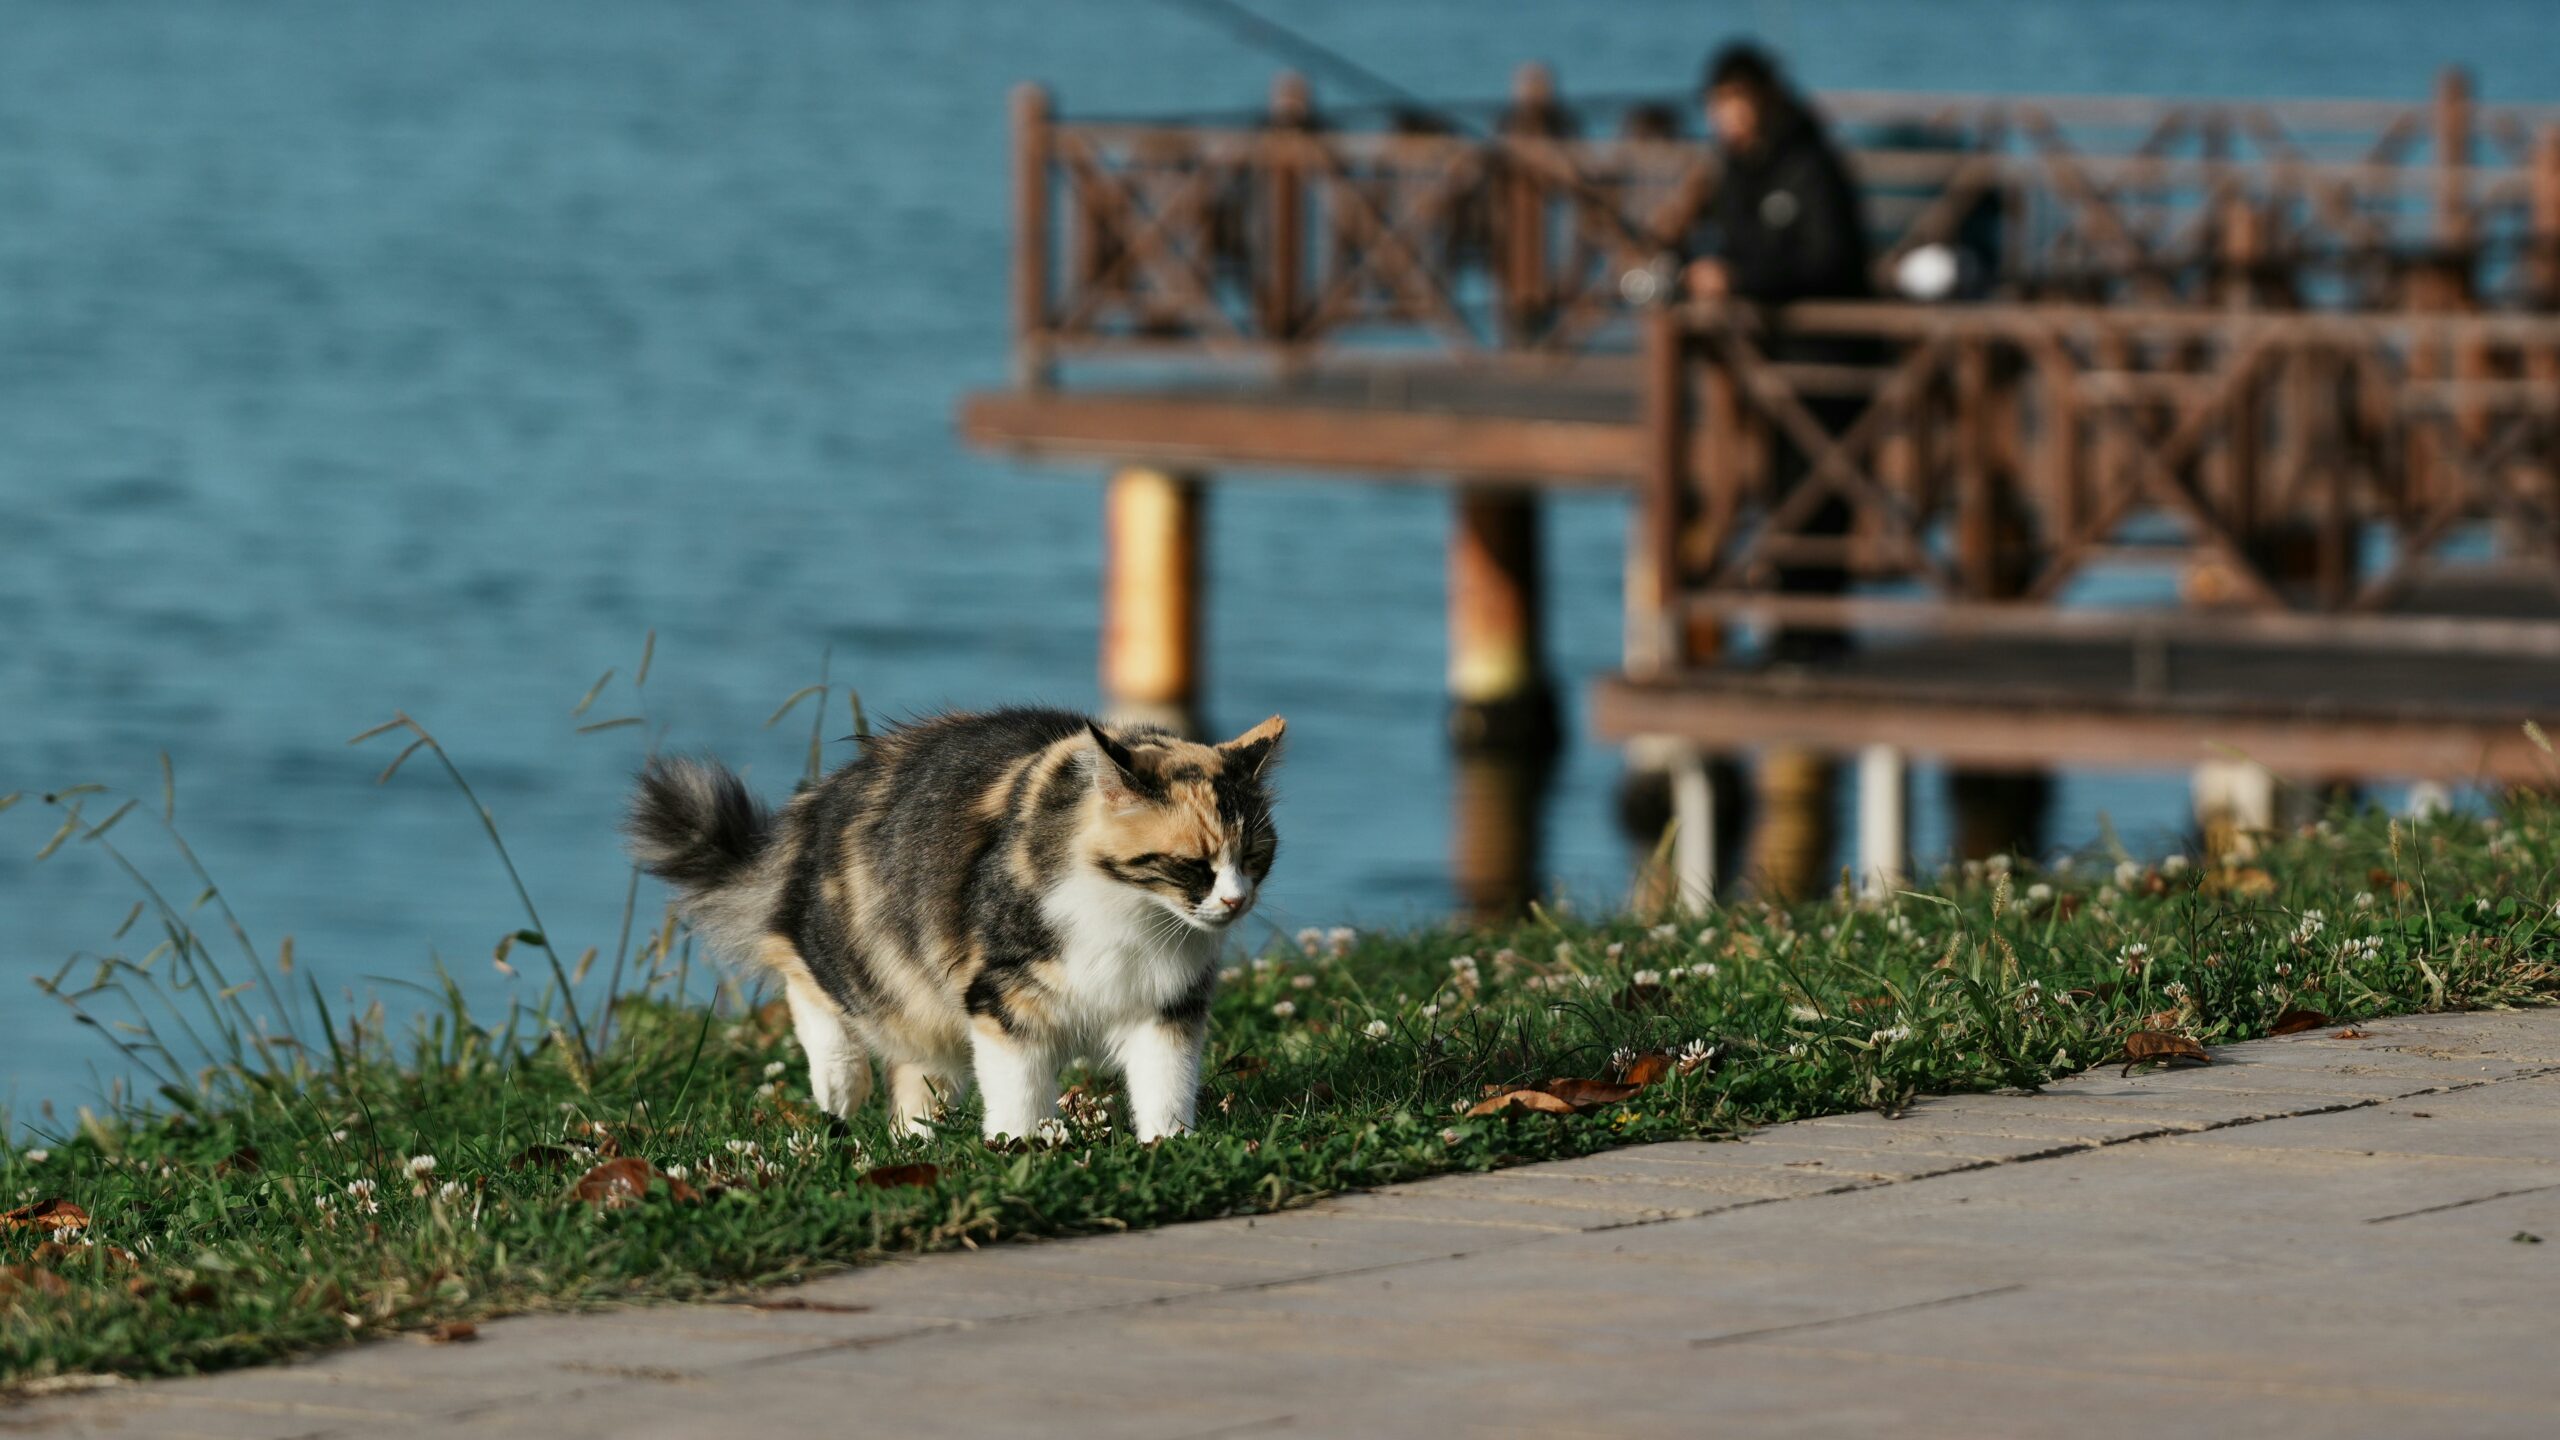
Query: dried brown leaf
{"points": [[2148, 1045], [2351, 1033], [14, 1278], [2296, 1020], [1651, 1068], [52, 1213], [626, 1182], [891, 1177], [1587, 1095], [1537, 1100], [453, 1332]]}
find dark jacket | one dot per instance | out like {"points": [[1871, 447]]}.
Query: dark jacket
{"points": [[1785, 218]]}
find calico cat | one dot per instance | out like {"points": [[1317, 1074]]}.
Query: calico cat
{"points": [[982, 896]]}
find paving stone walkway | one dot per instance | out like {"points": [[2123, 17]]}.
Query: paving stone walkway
{"points": [[2312, 1237]]}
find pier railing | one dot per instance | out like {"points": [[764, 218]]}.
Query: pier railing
{"points": [[2301, 472], [1543, 226]]}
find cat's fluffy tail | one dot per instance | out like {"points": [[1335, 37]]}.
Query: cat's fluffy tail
{"points": [[694, 824]]}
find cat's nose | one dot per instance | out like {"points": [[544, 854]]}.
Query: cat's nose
{"points": [[1232, 902]]}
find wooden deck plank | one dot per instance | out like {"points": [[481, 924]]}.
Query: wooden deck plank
{"points": [[1394, 424], [2300, 712]]}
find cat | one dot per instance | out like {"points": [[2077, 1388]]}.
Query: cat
{"points": [[979, 897]]}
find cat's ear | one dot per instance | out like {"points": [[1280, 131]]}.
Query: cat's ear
{"points": [[1115, 770], [1254, 750]]}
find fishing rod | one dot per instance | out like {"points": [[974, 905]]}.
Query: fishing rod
{"points": [[1651, 283], [1278, 40]]}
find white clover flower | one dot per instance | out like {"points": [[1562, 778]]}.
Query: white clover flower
{"points": [[422, 1166], [1890, 1034], [320, 1203], [2363, 900], [1051, 1131], [1898, 926], [1695, 1054], [1311, 940], [453, 1190], [1648, 977], [1622, 1058], [39, 1156], [362, 1192], [770, 1089], [2284, 967], [1230, 974], [2312, 923], [2173, 864], [1617, 948], [1797, 1049], [338, 1137], [747, 1148], [1302, 982], [1340, 939], [1449, 1135], [2127, 872], [1703, 970], [2038, 893], [1664, 932], [773, 1069], [1708, 935], [679, 1172], [1999, 864], [1507, 958], [1376, 1029], [1430, 1011], [2133, 955], [1284, 1009]]}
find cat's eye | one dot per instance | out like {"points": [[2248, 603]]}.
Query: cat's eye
{"points": [[1191, 875]]}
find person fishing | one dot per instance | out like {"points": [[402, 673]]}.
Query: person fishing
{"points": [[1783, 225]]}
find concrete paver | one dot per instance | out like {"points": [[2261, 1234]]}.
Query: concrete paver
{"points": [[2312, 1237]]}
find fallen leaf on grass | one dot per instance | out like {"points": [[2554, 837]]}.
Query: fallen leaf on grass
{"points": [[626, 1182], [452, 1332], [891, 1177], [1585, 1095], [53, 1250], [1648, 1069], [2295, 1021], [1538, 1100], [14, 1278], [52, 1213], [2146, 1045]]}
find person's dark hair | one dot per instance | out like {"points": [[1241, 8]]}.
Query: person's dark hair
{"points": [[1745, 64]]}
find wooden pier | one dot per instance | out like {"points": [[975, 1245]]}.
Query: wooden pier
{"points": [[2298, 359]]}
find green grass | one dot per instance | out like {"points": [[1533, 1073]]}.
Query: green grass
{"points": [[225, 1231]]}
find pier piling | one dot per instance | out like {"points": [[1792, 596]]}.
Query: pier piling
{"points": [[1150, 599]]}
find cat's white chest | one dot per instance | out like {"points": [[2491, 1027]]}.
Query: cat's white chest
{"points": [[1124, 957]]}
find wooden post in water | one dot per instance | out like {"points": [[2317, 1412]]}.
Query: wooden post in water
{"points": [[1031, 144], [1151, 599], [1498, 691], [1884, 819]]}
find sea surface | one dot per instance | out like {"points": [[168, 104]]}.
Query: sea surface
{"points": [[361, 358]]}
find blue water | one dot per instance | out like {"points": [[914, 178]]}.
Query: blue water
{"points": [[358, 357]]}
